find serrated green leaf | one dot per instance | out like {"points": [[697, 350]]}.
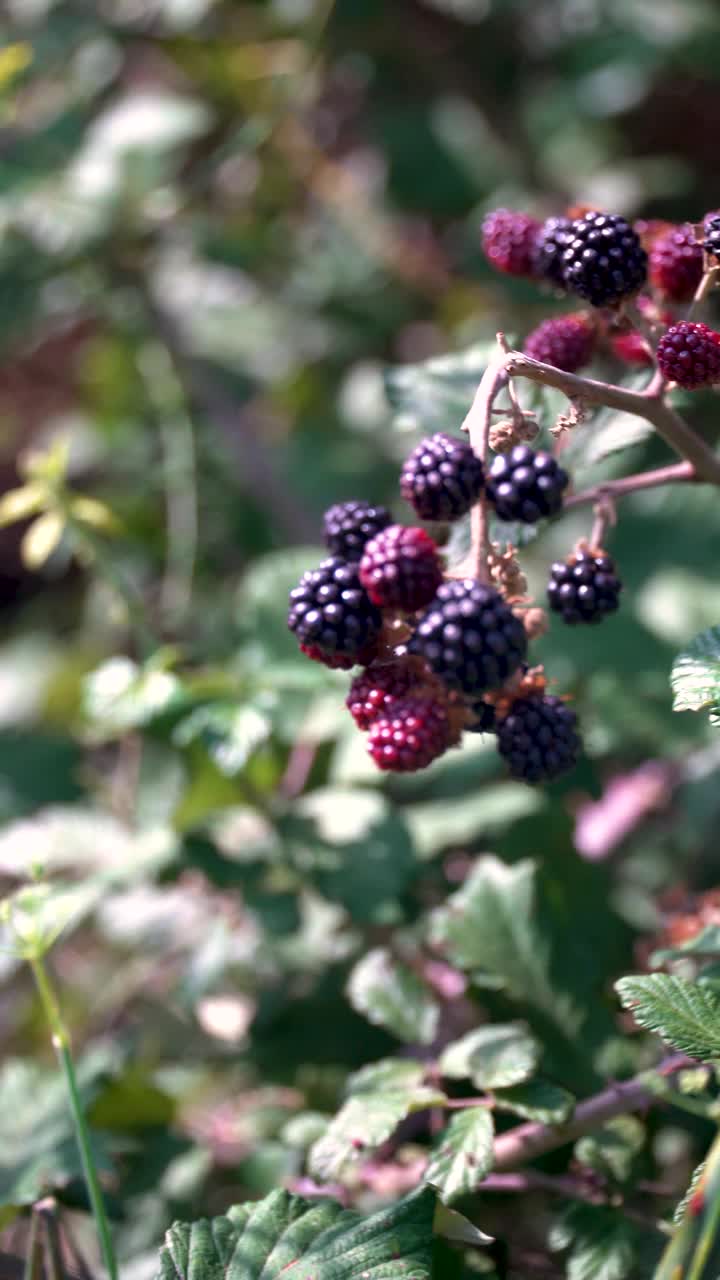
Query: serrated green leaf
{"points": [[492, 1057], [490, 926], [537, 1099], [464, 1154], [601, 1243], [389, 1073], [684, 1014], [362, 1123], [285, 1235], [695, 675], [436, 394], [390, 995]]}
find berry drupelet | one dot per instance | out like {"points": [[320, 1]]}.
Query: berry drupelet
{"points": [[525, 485], [538, 738], [349, 525], [332, 616], [689, 354], [676, 264], [585, 587], [442, 478], [413, 733], [711, 241], [469, 637], [550, 244], [508, 240], [603, 260], [400, 568], [375, 691], [567, 342]]}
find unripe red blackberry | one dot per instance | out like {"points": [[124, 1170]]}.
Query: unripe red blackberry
{"points": [[585, 587], [508, 241], [603, 259], [334, 619], [567, 342], [442, 478], [350, 525], [400, 568], [550, 244], [711, 242], [676, 264], [689, 354], [538, 739], [410, 736], [469, 637], [631, 348], [375, 691], [525, 485]]}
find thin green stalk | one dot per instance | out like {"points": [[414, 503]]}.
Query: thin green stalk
{"points": [[61, 1044]]}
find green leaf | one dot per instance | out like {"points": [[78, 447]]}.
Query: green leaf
{"points": [[695, 675], [389, 1073], [489, 927], [362, 1123], [537, 1099], [41, 539], [601, 1243], [285, 1235], [120, 696], [492, 1057], [464, 1154], [685, 1014], [390, 995], [612, 1150], [228, 732], [436, 394]]}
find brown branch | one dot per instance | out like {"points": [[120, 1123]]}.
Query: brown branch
{"points": [[477, 425], [675, 473], [528, 1141]]}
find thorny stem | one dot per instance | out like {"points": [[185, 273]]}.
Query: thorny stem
{"points": [[61, 1044], [568, 1187], [477, 425], [604, 516], [528, 1141]]}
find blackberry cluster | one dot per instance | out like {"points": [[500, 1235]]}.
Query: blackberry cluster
{"points": [[711, 231], [689, 354], [442, 478], [567, 342], [676, 264], [349, 525], [603, 260], [401, 569], [526, 485], [585, 587], [332, 615], [550, 244], [469, 637], [538, 738]]}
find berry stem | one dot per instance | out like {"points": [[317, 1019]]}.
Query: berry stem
{"points": [[477, 425], [710, 279], [647, 404], [675, 473], [604, 515], [528, 1141]]}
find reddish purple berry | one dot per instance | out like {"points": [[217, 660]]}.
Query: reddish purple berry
{"points": [[509, 239], [567, 342], [377, 689], [676, 264], [410, 736], [442, 479], [689, 354], [400, 568]]}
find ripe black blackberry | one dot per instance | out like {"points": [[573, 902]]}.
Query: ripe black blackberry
{"points": [[375, 691], [711, 242], [413, 733], [525, 485], [603, 260], [585, 587], [689, 354], [332, 616], [550, 244], [350, 525], [442, 478], [567, 342], [401, 569], [469, 637], [538, 738]]}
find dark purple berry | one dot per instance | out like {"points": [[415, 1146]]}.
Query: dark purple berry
{"points": [[485, 718], [538, 738], [711, 229], [550, 244], [401, 569], [524, 485], [689, 354], [442, 478], [349, 525], [332, 616], [585, 587], [603, 260], [469, 637]]}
